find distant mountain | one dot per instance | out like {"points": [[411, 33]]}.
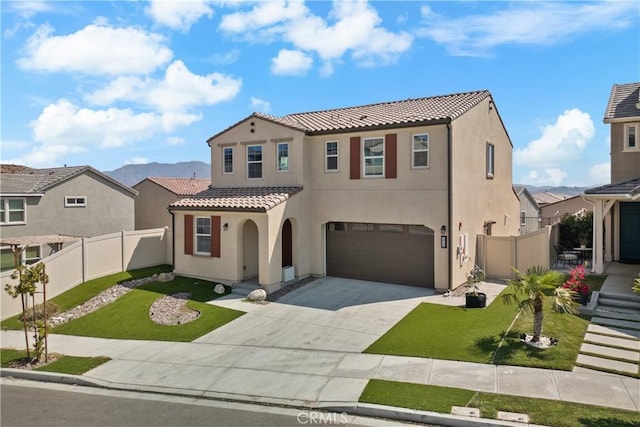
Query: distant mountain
{"points": [[133, 174], [569, 191]]}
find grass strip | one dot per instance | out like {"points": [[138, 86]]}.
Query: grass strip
{"points": [[128, 316], [64, 364], [541, 411]]}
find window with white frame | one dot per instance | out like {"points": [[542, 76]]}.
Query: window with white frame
{"points": [[420, 151], [31, 255], [12, 211], [227, 159], [331, 156], [7, 260], [75, 201], [203, 235], [631, 142], [254, 161], [490, 160], [373, 155], [283, 157]]}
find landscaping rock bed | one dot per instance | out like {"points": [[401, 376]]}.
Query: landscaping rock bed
{"points": [[172, 310]]}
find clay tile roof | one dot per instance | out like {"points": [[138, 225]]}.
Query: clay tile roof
{"points": [[629, 187], [182, 186], [623, 102], [14, 169], [257, 199]]}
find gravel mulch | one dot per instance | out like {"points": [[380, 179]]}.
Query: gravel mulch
{"points": [[275, 296]]}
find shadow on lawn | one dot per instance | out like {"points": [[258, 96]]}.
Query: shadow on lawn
{"points": [[606, 422], [200, 290], [512, 346]]}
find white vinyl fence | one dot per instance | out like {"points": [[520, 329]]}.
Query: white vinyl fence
{"points": [[94, 257]]}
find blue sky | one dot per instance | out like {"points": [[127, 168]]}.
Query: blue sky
{"points": [[113, 83]]}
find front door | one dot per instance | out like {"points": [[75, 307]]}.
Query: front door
{"points": [[630, 232]]}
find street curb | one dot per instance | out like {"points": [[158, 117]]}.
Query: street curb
{"points": [[352, 408]]}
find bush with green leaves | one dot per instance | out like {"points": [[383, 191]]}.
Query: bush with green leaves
{"points": [[576, 229]]}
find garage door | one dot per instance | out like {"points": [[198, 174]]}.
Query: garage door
{"points": [[391, 253]]}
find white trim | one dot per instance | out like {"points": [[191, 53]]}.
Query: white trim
{"points": [[196, 234], [5, 201], [278, 165], [255, 162], [364, 158], [68, 204], [625, 138], [224, 160], [490, 157], [414, 151], [328, 156]]}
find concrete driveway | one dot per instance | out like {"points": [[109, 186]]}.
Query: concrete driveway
{"points": [[327, 314]]}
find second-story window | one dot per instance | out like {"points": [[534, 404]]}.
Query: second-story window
{"points": [[373, 154], [254, 161], [420, 151], [490, 160], [75, 201], [227, 159], [331, 156], [12, 211], [631, 137], [283, 157]]}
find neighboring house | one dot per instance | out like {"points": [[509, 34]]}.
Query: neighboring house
{"points": [[157, 193], [546, 198], [570, 205], [616, 212], [393, 192], [43, 208], [529, 210]]}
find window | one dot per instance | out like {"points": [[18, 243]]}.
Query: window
{"points": [[227, 160], [490, 160], [75, 201], [283, 157], [331, 156], [523, 218], [254, 161], [31, 255], [373, 156], [12, 211], [7, 261], [203, 235], [631, 137], [420, 151]]}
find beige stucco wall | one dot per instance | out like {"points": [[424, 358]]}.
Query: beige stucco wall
{"points": [[151, 205], [624, 164], [109, 209], [476, 198]]}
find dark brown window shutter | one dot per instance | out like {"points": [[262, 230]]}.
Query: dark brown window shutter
{"points": [[215, 236], [354, 158], [391, 155], [188, 234]]}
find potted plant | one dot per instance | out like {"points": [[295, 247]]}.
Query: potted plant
{"points": [[473, 297]]}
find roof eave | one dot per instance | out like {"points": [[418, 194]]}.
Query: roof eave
{"points": [[22, 194], [433, 122], [216, 209]]}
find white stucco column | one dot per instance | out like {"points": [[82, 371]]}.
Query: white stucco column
{"points": [[598, 256], [608, 254]]}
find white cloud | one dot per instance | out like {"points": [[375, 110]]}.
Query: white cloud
{"points": [[178, 91], [261, 105], [355, 28], [137, 161], [532, 23], [175, 140], [96, 49], [549, 176], [559, 143], [178, 15], [600, 173], [291, 63]]}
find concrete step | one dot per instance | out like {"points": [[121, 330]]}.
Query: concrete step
{"points": [[617, 313], [628, 344], [621, 297], [607, 364], [616, 353], [612, 330], [606, 321], [617, 302]]}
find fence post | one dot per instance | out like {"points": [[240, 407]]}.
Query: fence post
{"points": [[85, 259]]}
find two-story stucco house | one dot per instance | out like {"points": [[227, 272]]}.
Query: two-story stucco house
{"points": [[616, 213], [392, 192], [49, 206]]}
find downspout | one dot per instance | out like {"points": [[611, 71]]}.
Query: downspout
{"points": [[450, 204], [173, 240]]}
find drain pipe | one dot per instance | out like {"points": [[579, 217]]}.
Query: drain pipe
{"points": [[173, 240], [450, 205]]}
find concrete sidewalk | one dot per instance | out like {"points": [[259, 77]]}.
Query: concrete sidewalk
{"points": [[313, 378]]}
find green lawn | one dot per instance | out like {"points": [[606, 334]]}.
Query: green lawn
{"points": [[85, 291], [473, 335], [541, 411], [128, 316], [64, 364]]}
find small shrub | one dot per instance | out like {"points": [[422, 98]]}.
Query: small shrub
{"points": [[52, 310]]}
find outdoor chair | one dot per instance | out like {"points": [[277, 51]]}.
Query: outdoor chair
{"points": [[565, 257]]}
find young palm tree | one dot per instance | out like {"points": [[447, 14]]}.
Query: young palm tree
{"points": [[533, 286]]}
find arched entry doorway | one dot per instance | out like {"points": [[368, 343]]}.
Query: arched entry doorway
{"points": [[249, 250], [287, 244]]}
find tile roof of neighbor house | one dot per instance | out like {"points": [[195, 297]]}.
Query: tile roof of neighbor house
{"points": [[37, 181], [408, 112], [256, 199], [624, 102], [547, 198], [181, 186], [629, 187]]}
